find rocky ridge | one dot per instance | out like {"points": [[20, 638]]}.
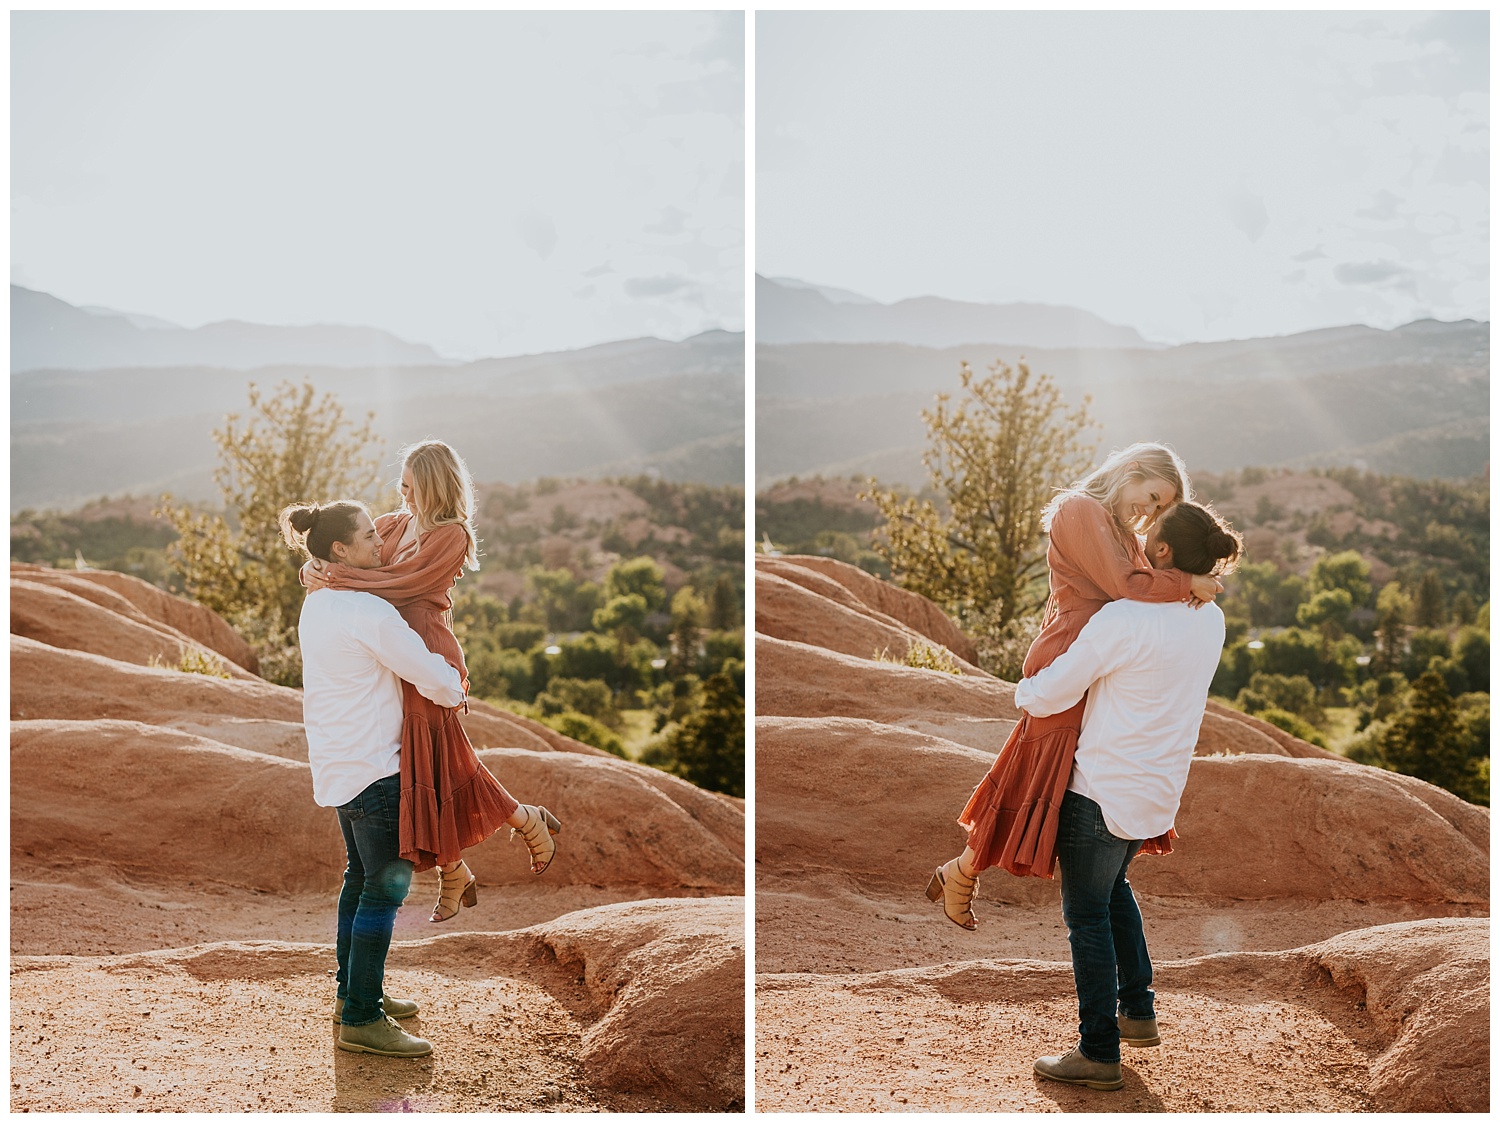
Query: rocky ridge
{"points": [[170, 876], [1320, 931]]}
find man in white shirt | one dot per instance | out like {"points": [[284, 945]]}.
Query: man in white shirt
{"points": [[355, 650], [1146, 669]]}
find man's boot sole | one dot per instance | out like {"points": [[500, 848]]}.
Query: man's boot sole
{"points": [[1097, 1085], [1142, 1043], [350, 1047]]}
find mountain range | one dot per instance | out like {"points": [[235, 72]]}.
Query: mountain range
{"points": [[48, 333], [642, 405], [792, 311], [1410, 401]]}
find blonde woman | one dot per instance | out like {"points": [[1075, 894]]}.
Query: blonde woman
{"points": [[1094, 556], [449, 800]]}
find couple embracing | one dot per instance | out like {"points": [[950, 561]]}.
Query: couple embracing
{"points": [[1112, 698], [383, 685]]}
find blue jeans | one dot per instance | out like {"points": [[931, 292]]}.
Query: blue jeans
{"points": [[375, 883], [1111, 967]]}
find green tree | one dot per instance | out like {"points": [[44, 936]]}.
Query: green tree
{"points": [[1430, 605], [1464, 609], [1472, 650], [724, 605], [590, 697], [290, 447], [709, 744], [622, 614], [1296, 651], [566, 602], [1270, 598], [1345, 570], [1328, 609], [1429, 740], [688, 615], [1422, 647], [994, 459], [640, 577], [1392, 610], [1294, 694]]}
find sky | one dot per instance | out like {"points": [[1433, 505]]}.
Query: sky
{"points": [[487, 183], [1194, 175]]}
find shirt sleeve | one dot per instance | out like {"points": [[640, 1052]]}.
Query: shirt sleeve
{"points": [[436, 565], [1084, 533], [1106, 644], [399, 648]]}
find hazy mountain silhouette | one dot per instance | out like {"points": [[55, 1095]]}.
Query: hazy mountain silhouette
{"points": [[793, 311], [48, 333], [1410, 401], [645, 405]]}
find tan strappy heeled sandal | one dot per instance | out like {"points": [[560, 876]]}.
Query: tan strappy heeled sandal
{"points": [[956, 892], [457, 892], [537, 839]]}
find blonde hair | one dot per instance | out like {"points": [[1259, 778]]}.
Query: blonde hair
{"points": [[442, 491], [1142, 460]]}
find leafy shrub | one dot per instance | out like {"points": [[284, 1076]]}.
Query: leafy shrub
{"points": [[581, 727], [924, 656]]}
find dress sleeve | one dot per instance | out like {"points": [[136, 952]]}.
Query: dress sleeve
{"points": [[431, 571], [1084, 533]]}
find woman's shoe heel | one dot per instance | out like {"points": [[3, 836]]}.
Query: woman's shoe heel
{"points": [[452, 898], [935, 888], [537, 834]]}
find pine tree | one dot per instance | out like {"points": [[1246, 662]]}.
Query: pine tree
{"points": [[1430, 608], [710, 743], [724, 606], [688, 612], [1428, 740]]}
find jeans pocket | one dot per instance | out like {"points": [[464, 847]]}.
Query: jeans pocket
{"points": [[355, 809]]}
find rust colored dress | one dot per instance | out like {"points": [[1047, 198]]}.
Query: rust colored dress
{"points": [[449, 800], [1012, 815]]}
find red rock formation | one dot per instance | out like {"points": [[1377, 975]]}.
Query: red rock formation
{"points": [[59, 617], [861, 769], [141, 792], [854, 588], [110, 589]]}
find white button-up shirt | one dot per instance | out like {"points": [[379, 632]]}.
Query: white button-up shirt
{"points": [[355, 650], [1146, 668]]}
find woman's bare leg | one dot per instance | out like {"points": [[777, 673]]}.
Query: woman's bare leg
{"points": [[966, 862]]}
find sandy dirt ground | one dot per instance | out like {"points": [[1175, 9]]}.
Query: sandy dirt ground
{"points": [[248, 1027], [851, 1014], [224, 1019]]}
